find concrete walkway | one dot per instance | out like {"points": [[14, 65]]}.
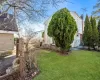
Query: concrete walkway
{"points": [[77, 48], [5, 63]]}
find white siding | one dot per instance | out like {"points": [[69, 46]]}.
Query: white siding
{"points": [[47, 39], [78, 21]]}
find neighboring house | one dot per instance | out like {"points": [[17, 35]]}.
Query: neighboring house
{"points": [[39, 35], [77, 37], [8, 27]]}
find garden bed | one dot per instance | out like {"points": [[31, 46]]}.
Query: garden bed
{"points": [[52, 47]]}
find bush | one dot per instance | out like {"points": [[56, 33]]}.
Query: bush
{"points": [[62, 29]]}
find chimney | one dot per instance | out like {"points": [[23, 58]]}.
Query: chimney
{"points": [[82, 17]]}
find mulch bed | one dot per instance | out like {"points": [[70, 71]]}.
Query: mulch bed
{"points": [[57, 51], [16, 75], [32, 74]]}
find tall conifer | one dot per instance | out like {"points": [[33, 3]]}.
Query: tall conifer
{"points": [[62, 29], [99, 33], [87, 35], [95, 35]]}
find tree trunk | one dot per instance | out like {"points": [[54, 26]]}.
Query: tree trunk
{"points": [[22, 59], [17, 48]]}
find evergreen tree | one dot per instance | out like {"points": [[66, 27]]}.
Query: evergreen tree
{"points": [[87, 35], [99, 32], [95, 34], [62, 29]]}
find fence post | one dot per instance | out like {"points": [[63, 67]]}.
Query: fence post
{"points": [[17, 47]]}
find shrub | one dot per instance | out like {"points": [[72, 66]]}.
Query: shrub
{"points": [[62, 29]]}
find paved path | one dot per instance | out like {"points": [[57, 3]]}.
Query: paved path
{"points": [[5, 63]]}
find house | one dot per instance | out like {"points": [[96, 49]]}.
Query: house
{"points": [[8, 27], [78, 36]]}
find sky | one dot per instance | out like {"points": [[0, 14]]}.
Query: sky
{"points": [[76, 6]]}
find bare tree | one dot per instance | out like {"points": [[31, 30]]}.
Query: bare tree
{"points": [[29, 35], [27, 9], [32, 9]]}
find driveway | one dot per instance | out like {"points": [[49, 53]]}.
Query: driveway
{"points": [[5, 63]]}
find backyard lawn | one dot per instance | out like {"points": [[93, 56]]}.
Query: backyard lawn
{"points": [[78, 65]]}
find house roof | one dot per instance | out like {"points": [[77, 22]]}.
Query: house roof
{"points": [[76, 14], [48, 20], [8, 23]]}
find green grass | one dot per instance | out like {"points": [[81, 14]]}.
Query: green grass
{"points": [[78, 65]]}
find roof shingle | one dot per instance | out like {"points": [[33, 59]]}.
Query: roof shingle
{"points": [[8, 23]]}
